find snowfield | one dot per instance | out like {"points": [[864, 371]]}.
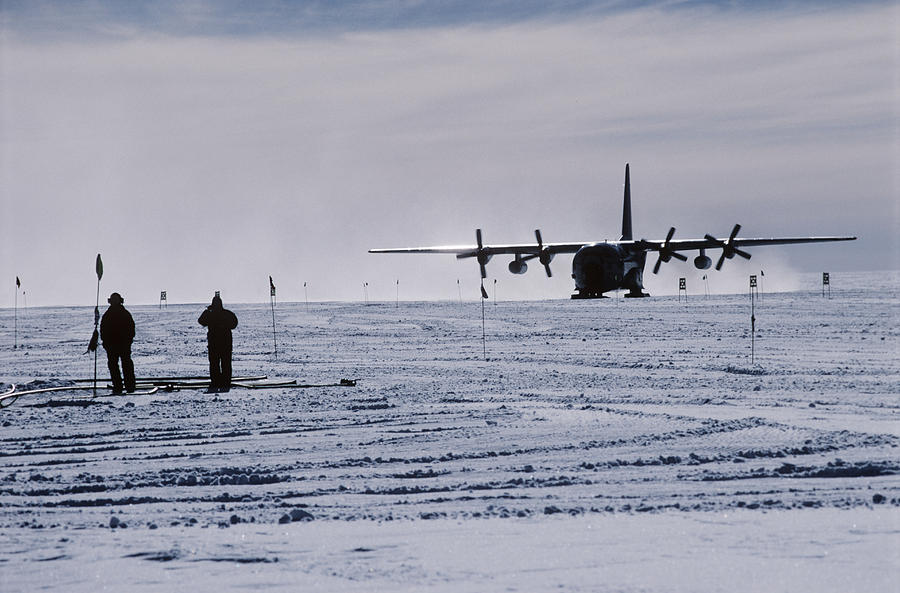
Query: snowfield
{"points": [[613, 445]]}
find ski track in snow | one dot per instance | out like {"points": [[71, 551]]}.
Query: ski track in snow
{"points": [[584, 410]]}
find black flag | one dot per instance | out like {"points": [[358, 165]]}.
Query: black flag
{"points": [[18, 284], [271, 287], [92, 346], [484, 293]]}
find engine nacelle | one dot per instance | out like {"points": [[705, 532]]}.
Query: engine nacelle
{"points": [[517, 266], [702, 262]]}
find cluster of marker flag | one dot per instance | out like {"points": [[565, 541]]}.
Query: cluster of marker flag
{"points": [[95, 337]]}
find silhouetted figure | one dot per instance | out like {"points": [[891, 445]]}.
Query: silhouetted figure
{"points": [[219, 322], [117, 333]]}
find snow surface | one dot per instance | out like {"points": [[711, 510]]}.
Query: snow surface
{"points": [[614, 445]]}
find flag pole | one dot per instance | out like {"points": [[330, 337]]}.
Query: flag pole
{"points": [[272, 302], [16, 316], [306, 296], [752, 322], [99, 268], [484, 296]]}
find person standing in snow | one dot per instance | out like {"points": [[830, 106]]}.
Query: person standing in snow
{"points": [[218, 322], [117, 333]]}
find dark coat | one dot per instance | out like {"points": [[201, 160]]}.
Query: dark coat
{"points": [[117, 328], [218, 322]]}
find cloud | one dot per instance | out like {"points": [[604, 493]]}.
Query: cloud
{"points": [[203, 162]]}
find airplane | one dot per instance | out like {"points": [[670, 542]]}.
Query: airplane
{"points": [[600, 267]]}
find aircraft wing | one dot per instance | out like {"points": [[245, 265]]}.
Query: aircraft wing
{"points": [[730, 247], [712, 243], [463, 251]]}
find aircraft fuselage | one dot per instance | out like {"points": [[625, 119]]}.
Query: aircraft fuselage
{"points": [[604, 267]]}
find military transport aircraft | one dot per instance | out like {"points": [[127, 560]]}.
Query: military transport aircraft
{"points": [[610, 265]]}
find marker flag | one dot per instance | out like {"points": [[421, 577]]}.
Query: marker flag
{"points": [[484, 293], [92, 345], [18, 284], [271, 287], [99, 268]]}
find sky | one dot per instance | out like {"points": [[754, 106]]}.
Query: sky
{"points": [[202, 146]]}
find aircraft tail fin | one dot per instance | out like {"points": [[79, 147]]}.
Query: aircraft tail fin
{"points": [[626, 208]]}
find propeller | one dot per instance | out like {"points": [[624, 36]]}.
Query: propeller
{"points": [[480, 254], [666, 252], [544, 255], [728, 248]]}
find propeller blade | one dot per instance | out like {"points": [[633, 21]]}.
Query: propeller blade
{"points": [[658, 263], [669, 236], [478, 238], [735, 250], [537, 235], [483, 270], [721, 261], [677, 255]]}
